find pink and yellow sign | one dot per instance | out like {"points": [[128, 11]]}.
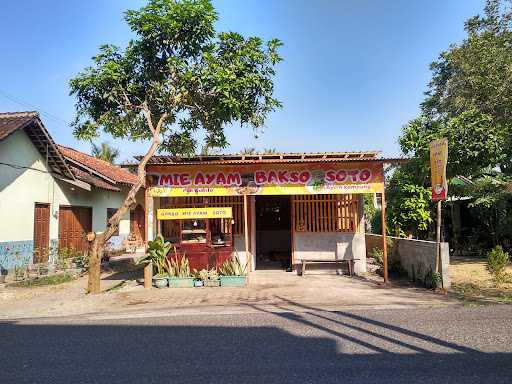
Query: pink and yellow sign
{"points": [[438, 160], [266, 179]]}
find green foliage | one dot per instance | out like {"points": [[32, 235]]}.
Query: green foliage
{"points": [[205, 274], [378, 257], [178, 266], [43, 281], [176, 77], [105, 152], [409, 205], [232, 267], [497, 260], [157, 255], [433, 280]]}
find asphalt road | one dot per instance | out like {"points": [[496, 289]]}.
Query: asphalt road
{"points": [[441, 345]]}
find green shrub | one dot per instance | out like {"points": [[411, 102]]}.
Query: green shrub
{"points": [[497, 260], [433, 280], [377, 254], [232, 267]]}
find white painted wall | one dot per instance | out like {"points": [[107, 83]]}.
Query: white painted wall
{"points": [[21, 188]]}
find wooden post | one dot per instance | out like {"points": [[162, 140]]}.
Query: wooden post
{"points": [[384, 238], [246, 237], [148, 275], [438, 237], [292, 204]]}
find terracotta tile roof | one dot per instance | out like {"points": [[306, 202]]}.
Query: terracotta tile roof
{"points": [[111, 172], [90, 179], [32, 125], [12, 121]]}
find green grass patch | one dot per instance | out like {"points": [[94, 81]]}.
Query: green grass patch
{"points": [[42, 281]]}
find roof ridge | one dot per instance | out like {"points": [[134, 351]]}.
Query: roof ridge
{"points": [[19, 114], [91, 156]]}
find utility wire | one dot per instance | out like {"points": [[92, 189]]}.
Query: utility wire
{"points": [[26, 104]]}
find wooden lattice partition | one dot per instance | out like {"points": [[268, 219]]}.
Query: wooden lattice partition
{"points": [[326, 213], [235, 202]]}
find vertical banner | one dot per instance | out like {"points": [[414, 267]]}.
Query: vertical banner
{"points": [[438, 160]]}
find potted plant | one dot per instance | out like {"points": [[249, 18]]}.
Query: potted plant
{"points": [[179, 272], [232, 273], [198, 277], [157, 256], [208, 278]]}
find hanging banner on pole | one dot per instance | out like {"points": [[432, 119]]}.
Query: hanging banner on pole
{"points": [[438, 160]]}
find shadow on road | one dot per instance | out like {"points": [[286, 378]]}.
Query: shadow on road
{"points": [[312, 347]]}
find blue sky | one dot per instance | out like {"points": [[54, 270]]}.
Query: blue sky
{"points": [[353, 74]]}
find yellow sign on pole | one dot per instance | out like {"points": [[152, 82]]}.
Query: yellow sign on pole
{"points": [[438, 160], [194, 213]]}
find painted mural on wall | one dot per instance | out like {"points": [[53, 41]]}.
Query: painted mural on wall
{"points": [[271, 179]]}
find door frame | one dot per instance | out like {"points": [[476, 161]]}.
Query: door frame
{"points": [[37, 235]]}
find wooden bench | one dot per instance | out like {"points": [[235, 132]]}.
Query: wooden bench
{"points": [[350, 263]]}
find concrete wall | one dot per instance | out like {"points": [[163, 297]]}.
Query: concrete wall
{"points": [[331, 246], [417, 257], [28, 181]]}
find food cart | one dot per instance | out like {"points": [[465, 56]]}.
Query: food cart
{"points": [[203, 235]]}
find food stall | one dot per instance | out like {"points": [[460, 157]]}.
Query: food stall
{"points": [[203, 235]]}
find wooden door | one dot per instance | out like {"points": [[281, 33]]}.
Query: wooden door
{"points": [[74, 223], [41, 232], [137, 227]]}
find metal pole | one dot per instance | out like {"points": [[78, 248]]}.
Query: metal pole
{"points": [[384, 238], [438, 237], [246, 237]]}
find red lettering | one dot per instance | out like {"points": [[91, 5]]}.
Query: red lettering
{"points": [[221, 178], [199, 179], [282, 176], [210, 178], [272, 177], [365, 175], [330, 176], [234, 178], [294, 177], [184, 179], [304, 177], [259, 177], [353, 173], [165, 180], [341, 176]]}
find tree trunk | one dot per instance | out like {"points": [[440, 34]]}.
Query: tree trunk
{"points": [[97, 246]]}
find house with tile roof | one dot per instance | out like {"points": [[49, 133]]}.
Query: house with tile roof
{"points": [[51, 196]]}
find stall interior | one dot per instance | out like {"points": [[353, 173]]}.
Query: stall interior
{"points": [[206, 242]]}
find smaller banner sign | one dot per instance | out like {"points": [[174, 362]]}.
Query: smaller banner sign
{"points": [[438, 160], [194, 213]]}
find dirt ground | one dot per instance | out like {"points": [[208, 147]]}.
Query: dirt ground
{"points": [[471, 281], [272, 290]]}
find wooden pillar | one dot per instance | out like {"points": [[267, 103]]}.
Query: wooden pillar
{"points": [[438, 237], [292, 206], [384, 238], [246, 235]]}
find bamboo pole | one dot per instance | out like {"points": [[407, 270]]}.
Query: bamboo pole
{"points": [[384, 238]]}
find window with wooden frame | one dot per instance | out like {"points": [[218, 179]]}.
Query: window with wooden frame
{"points": [[326, 213], [110, 213], [170, 228]]}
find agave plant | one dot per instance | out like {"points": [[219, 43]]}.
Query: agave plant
{"points": [[232, 267], [157, 254], [178, 266]]}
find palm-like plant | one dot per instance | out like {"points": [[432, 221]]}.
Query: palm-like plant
{"points": [[105, 152]]}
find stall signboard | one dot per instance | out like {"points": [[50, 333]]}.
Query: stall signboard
{"points": [[194, 213], [438, 160], [266, 179]]}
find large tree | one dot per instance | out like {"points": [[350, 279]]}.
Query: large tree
{"points": [[468, 101], [177, 77]]}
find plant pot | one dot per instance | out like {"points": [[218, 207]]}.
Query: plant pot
{"points": [[160, 282], [233, 281], [212, 283], [181, 282], [198, 283]]}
